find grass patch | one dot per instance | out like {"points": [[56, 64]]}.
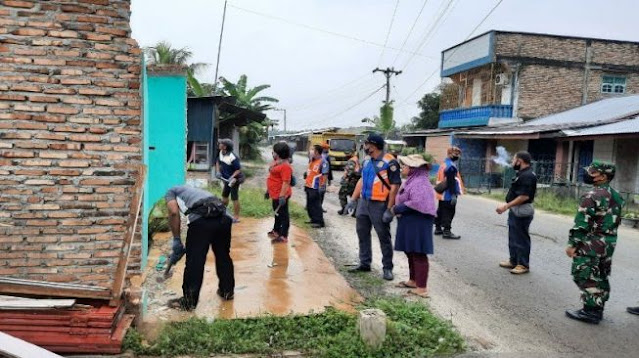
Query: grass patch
{"points": [[546, 200], [254, 205], [412, 331]]}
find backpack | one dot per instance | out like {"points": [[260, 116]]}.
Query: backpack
{"points": [[211, 207]]}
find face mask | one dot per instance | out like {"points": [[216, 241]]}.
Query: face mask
{"points": [[454, 158], [588, 179], [517, 166]]}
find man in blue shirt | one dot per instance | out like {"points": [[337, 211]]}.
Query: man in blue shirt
{"points": [[449, 173], [228, 169], [377, 189]]}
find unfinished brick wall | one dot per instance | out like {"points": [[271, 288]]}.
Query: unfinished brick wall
{"points": [[70, 136], [540, 46]]}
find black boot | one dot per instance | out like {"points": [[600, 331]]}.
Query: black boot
{"points": [[341, 211], [586, 314], [633, 310], [438, 230], [449, 235]]}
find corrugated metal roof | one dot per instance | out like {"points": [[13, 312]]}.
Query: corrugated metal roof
{"points": [[604, 110], [630, 126]]}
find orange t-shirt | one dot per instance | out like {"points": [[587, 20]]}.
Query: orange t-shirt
{"points": [[279, 172]]}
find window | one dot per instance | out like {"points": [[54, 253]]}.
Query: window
{"points": [[613, 84]]}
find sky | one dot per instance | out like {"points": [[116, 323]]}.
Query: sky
{"points": [[318, 55]]}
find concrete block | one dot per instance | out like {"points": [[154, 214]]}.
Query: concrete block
{"points": [[372, 327]]}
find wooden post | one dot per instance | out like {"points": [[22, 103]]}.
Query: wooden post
{"points": [[134, 215]]}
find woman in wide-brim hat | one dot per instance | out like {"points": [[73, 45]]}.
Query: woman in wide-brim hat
{"points": [[415, 209]]}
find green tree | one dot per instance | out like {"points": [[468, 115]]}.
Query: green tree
{"points": [[164, 53], [384, 123], [429, 115], [249, 98]]}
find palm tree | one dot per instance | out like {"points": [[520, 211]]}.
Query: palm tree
{"points": [[383, 123], [164, 53], [248, 98]]}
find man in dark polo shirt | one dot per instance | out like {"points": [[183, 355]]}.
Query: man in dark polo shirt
{"points": [[519, 201]]}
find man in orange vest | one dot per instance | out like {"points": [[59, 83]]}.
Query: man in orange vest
{"points": [[316, 180], [449, 173], [377, 189]]}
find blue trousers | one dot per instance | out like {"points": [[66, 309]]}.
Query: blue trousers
{"points": [[519, 239]]}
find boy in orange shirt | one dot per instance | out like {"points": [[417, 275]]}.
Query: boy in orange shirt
{"points": [[279, 191]]}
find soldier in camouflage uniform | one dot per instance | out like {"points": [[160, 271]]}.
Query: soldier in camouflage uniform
{"points": [[592, 241], [348, 181]]}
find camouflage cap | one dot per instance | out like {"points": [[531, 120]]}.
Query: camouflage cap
{"points": [[602, 167]]}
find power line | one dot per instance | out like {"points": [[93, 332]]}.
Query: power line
{"points": [[390, 27], [353, 106], [432, 30], [328, 32], [454, 51], [410, 32], [308, 101]]}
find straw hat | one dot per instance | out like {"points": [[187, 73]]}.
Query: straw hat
{"points": [[413, 160]]}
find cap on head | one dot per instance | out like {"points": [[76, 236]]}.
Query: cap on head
{"points": [[602, 167], [413, 160], [376, 140]]}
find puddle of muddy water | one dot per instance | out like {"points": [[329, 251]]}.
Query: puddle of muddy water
{"points": [[277, 279]]}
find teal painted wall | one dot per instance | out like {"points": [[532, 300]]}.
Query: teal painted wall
{"points": [[164, 140]]}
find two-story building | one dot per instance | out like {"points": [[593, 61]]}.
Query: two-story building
{"points": [[504, 78]]}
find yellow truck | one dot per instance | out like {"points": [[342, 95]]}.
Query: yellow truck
{"points": [[339, 144]]}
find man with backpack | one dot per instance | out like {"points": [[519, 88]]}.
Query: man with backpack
{"points": [[208, 225]]}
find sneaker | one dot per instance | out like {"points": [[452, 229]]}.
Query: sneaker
{"points": [[519, 269], [449, 235], [340, 211], [273, 234], [235, 220], [507, 264], [438, 231], [317, 225], [279, 239]]}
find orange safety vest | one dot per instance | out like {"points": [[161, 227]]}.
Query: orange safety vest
{"points": [[314, 177], [441, 176], [379, 191]]}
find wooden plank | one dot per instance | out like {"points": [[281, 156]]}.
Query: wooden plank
{"points": [[12, 302], [16, 348], [9, 285], [134, 215]]}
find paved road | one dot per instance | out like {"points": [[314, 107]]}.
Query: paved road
{"points": [[501, 313]]}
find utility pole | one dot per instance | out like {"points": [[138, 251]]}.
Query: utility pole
{"points": [[219, 48], [282, 110], [388, 72]]}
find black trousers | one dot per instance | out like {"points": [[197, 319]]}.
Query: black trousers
{"points": [[202, 233], [314, 205], [282, 219], [445, 215]]}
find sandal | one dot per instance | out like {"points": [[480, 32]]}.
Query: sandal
{"points": [[179, 304], [420, 294], [403, 284]]}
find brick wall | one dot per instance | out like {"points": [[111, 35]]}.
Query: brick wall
{"points": [[552, 69], [69, 135], [545, 90], [437, 147]]}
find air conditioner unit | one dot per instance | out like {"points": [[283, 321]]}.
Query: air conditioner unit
{"points": [[502, 79]]}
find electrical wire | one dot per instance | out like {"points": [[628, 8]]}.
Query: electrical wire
{"points": [[332, 117], [455, 50], [390, 27], [328, 93], [444, 13], [328, 32], [410, 32]]}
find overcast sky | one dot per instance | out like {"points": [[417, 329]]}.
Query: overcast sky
{"points": [[318, 55]]}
